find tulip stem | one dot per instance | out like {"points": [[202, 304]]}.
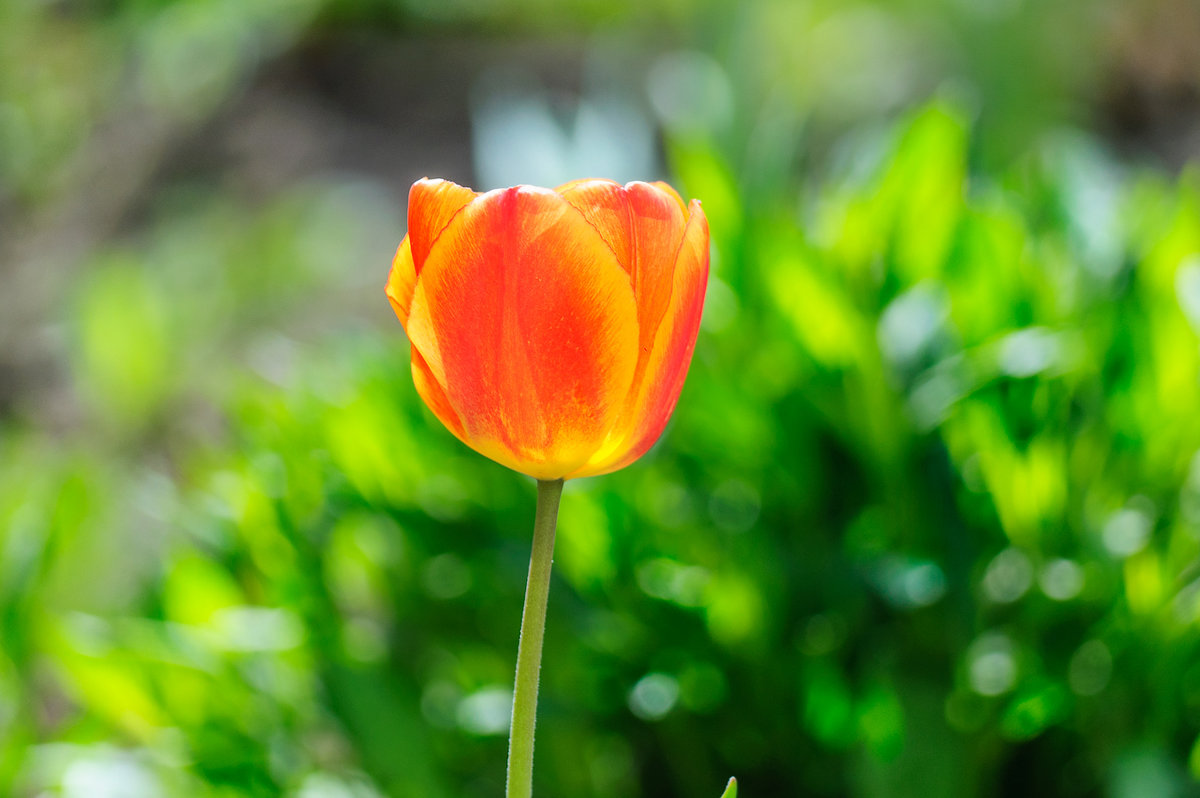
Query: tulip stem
{"points": [[529, 649]]}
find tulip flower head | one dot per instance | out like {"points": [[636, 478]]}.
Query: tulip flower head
{"points": [[552, 330]]}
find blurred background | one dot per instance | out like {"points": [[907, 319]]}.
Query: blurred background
{"points": [[925, 523]]}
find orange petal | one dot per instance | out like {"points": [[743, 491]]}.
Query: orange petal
{"points": [[674, 195], [583, 181], [435, 395], [644, 225], [665, 370], [523, 314], [604, 205], [402, 279], [431, 206], [658, 228]]}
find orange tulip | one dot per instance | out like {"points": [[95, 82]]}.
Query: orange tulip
{"points": [[551, 330]]}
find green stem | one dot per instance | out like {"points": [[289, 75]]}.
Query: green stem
{"points": [[529, 649]]}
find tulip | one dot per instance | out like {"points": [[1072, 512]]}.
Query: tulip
{"points": [[551, 330]]}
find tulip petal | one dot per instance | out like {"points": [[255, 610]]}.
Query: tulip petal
{"points": [[402, 279], [431, 206], [660, 185], [573, 184], [658, 228], [644, 225], [526, 318], [435, 396], [664, 371], [604, 205]]}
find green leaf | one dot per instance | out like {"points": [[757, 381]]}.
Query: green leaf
{"points": [[730, 789]]}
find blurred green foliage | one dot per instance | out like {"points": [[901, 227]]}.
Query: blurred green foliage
{"points": [[926, 521]]}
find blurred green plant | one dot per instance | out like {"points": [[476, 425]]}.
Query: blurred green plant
{"points": [[926, 523], [947, 525]]}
